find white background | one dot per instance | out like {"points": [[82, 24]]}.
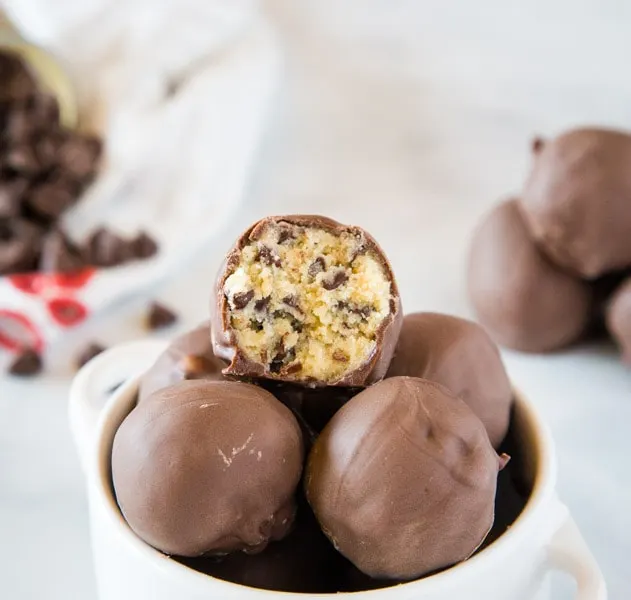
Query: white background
{"points": [[409, 118]]}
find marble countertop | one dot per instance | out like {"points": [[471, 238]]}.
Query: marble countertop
{"points": [[410, 118]]}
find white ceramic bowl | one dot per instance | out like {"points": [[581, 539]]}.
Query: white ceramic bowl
{"points": [[515, 567]]}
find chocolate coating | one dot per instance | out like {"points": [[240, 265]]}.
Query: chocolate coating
{"points": [[303, 562], [618, 318], [208, 467], [403, 478], [577, 197], [224, 338], [315, 406], [460, 355], [520, 297], [188, 357]]}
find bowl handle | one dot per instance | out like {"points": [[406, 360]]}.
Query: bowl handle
{"points": [[95, 383], [569, 552]]}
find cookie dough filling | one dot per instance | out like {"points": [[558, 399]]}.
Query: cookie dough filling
{"points": [[308, 304]]}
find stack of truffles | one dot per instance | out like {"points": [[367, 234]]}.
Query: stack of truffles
{"points": [[44, 170], [550, 267], [309, 438]]}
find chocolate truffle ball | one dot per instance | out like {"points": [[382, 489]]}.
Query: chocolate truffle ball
{"points": [[402, 479], [308, 300], [524, 301], [208, 467], [618, 319], [189, 356], [304, 562], [460, 355], [577, 197]]}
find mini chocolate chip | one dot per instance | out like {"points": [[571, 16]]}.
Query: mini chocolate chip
{"points": [[159, 316], [317, 266], [361, 249], [363, 311], [104, 248], [59, 254], [267, 256], [275, 366], [256, 325], [340, 278], [242, 299], [49, 200], [11, 194], [26, 364], [293, 368], [79, 155], [296, 325], [285, 235], [144, 246], [262, 304], [88, 353], [340, 356], [22, 159], [291, 300]]}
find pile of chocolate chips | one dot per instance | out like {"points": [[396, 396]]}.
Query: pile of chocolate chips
{"points": [[44, 169], [383, 473], [553, 266]]}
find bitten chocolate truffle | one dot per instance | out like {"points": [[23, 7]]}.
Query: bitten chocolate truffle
{"points": [[522, 299], [306, 299], [208, 467], [618, 318], [577, 197], [188, 356], [403, 478], [461, 356]]}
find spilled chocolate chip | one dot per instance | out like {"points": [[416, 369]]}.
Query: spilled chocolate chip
{"points": [[144, 246], [59, 254], [242, 299], [340, 356], [22, 159], [338, 279], [262, 304], [317, 266], [105, 248], [27, 364], [159, 316], [11, 194], [267, 256], [88, 353]]}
